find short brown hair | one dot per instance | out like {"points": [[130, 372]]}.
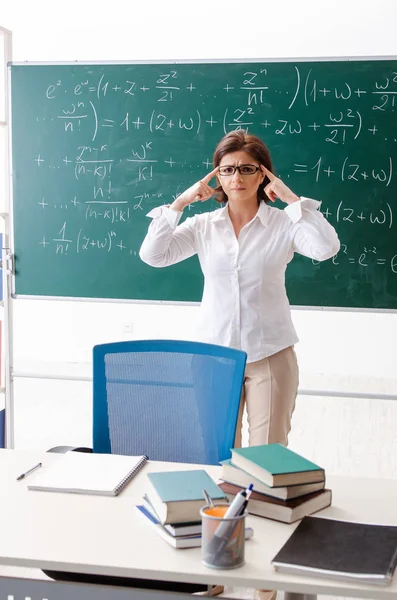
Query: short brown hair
{"points": [[240, 140]]}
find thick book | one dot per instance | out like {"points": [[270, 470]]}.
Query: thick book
{"points": [[239, 477], [175, 529], [186, 541], [286, 511], [86, 473], [276, 465], [177, 496], [340, 550]]}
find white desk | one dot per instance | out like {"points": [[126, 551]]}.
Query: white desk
{"points": [[101, 535]]}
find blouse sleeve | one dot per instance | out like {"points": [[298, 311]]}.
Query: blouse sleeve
{"points": [[312, 235], [167, 243]]}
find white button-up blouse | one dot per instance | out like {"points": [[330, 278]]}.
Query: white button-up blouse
{"points": [[244, 303]]}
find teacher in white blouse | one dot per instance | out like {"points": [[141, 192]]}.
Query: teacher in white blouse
{"points": [[244, 248]]}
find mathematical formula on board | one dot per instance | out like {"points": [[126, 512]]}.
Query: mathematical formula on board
{"points": [[128, 143]]}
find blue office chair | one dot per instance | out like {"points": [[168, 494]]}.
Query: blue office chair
{"points": [[172, 400]]}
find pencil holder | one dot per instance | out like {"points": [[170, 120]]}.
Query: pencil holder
{"points": [[222, 538]]}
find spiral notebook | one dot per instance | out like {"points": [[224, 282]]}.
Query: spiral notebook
{"points": [[86, 473]]}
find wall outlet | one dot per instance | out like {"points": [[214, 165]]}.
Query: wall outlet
{"points": [[128, 327]]}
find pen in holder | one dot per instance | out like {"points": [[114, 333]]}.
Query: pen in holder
{"points": [[222, 538]]}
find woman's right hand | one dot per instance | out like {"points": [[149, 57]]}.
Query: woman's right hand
{"points": [[198, 192]]}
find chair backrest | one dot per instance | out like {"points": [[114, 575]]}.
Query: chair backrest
{"points": [[172, 400]]}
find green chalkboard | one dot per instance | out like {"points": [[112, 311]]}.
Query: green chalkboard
{"points": [[96, 146]]}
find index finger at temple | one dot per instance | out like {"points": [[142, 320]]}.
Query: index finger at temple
{"points": [[210, 175], [268, 173]]}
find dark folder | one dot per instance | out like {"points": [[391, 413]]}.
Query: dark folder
{"points": [[340, 550]]}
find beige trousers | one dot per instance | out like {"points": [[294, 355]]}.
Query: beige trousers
{"points": [[269, 392]]}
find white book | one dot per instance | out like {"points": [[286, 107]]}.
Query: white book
{"points": [[238, 476], [87, 473]]}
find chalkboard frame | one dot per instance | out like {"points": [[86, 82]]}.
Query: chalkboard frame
{"points": [[11, 64]]}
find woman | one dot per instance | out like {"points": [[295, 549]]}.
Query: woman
{"points": [[244, 249]]}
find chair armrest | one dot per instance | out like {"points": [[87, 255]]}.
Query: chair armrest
{"points": [[64, 449]]}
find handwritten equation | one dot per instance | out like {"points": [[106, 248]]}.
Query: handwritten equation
{"points": [[366, 257], [245, 100], [84, 241]]}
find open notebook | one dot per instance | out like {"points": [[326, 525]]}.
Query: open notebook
{"points": [[84, 473]]}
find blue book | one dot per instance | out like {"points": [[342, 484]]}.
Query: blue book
{"points": [[183, 541], [188, 541], [177, 496]]}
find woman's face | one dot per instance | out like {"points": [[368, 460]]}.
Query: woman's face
{"points": [[240, 186]]}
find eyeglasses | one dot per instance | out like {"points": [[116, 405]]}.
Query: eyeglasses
{"points": [[228, 170]]}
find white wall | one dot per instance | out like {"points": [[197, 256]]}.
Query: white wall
{"points": [[338, 350]]}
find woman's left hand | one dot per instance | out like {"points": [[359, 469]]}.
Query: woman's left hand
{"points": [[277, 189]]}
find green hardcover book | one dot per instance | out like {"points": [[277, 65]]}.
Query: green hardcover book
{"points": [[276, 465], [177, 496]]}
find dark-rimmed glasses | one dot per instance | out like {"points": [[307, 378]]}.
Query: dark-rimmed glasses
{"points": [[228, 170]]}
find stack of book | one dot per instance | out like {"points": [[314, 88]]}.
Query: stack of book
{"points": [[287, 486], [172, 505]]}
